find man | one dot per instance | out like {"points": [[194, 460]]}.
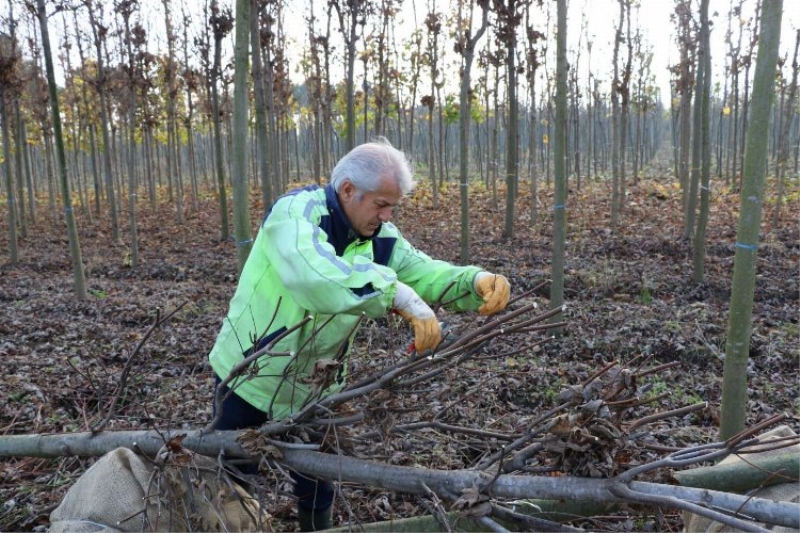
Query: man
{"points": [[331, 254]]}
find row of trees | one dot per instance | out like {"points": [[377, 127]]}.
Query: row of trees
{"points": [[138, 120], [173, 123]]}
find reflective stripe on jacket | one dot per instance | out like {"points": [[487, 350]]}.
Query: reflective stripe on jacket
{"points": [[306, 261]]}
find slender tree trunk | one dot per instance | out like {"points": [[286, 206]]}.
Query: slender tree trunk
{"points": [[98, 184], [105, 127], [221, 24], [512, 139], [13, 244], [22, 218], [26, 163], [704, 87], [697, 146], [327, 116], [415, 79], [784, 138], [190, 83], [147, 142], [683, 90], [560, 167], [350, 34], [737, 348], [616, 124], [494, 144], [262, 134], [625, 94], [241, 207], [467, 45], [72, 229], [434, 25], [173, 145], [432, 157], [48, 157], [745, 113], [126, 11], [533, 129]]}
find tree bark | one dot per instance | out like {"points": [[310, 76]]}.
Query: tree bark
{"points": [[466, 45], [220, 23], [737, 348], [560, 167], [13, 245], [99, 36], [78, 275], [241, 206], [399, 478], [785, 138], [704, 88], [741, 476]]}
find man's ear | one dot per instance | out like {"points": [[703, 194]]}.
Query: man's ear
{"points": [[347, 191]]}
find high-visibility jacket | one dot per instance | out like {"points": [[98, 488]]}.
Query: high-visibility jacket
{"points": [[307, 261]]}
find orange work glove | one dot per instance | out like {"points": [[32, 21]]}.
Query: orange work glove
{"points": [[494, 289], [427, 330]]}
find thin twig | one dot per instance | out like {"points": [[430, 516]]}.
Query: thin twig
{"points": [[667, 414]]}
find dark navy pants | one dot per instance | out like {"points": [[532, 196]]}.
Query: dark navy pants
{"points": [[312, 493]]}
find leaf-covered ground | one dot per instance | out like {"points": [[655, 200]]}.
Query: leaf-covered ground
{"points": [[629, 293]]}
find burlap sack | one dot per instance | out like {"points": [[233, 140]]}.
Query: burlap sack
{"points": [[124, 492], [788, 492]]}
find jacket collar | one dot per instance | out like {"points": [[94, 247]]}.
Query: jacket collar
{"points": [[342, 232]]}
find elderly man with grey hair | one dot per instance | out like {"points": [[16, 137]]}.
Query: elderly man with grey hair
{"points": [[331, 254]]}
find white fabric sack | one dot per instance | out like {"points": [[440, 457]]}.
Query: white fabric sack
{"points": [[124, 492]]}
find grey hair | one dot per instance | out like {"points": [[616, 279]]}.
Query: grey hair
{"points": [[367, 164]]}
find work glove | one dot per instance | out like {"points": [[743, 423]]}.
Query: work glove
{"points": [[494, 289], [427, 331]]}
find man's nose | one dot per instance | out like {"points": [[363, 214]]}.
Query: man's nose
{"points": [[385, 214]]}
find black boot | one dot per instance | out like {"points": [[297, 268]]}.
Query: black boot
{"points": [[315, 520]]}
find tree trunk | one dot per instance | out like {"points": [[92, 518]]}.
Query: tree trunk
{"points": [[79, 277], [784, 137], [616, 122], [560, 167], [737, 348], [697, 140], [467, 48], [13, 244], [412, 480], [104, 124], [126, 12], [241, 206], [434, 26], [704, 87], [262, 134], [22, 218], [625, 93], [220, 26], [173, 145], [512, 138], [741, 476]]}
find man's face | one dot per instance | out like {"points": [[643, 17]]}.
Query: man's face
{"points": [[367, 210]]}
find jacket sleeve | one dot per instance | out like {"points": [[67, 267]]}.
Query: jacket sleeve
{"points": [[317, 279], [430, 278]]}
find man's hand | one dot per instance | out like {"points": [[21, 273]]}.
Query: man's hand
{"points": [[427, 331], [494, 289]]}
